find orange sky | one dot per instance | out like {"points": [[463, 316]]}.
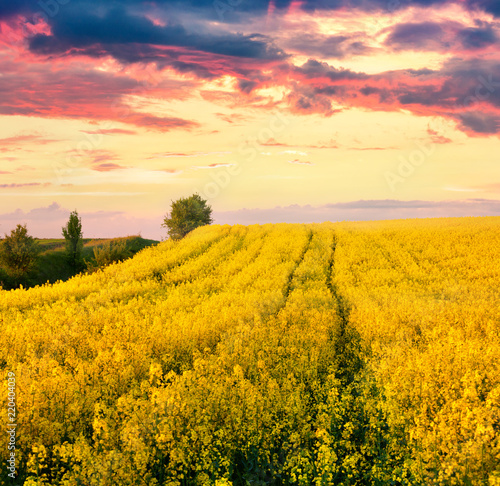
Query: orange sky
{"points": [[284, 113]]}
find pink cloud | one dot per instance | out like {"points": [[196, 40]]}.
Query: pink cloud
{"points": [[111, 131], [107, 167], [26, 184], [73, 92], [437, 138], [21, 139]]}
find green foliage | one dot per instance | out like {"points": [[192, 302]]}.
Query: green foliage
{"points": [[19, 252], [186, 215], [53, 265], [110, 252], [72, 233]]}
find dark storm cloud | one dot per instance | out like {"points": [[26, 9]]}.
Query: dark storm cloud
{"points": [[490, 6], [316, 69], [440, 36], [479, 123], [8, 9], [458, 86], [118, 27], [415, 35], [477, 38], [324, 46], [228, 10], [472, 82], [467, 92]]}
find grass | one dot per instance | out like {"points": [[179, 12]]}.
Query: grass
{"points": [[53, 266]]}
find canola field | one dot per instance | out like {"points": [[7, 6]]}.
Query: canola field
{"points": [[329, 354]]}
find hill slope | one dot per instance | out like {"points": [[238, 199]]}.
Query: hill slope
{"points": [[363, 353], [53, 265]]}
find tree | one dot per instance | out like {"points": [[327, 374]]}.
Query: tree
{"points": [[186, 215], [19, 252], [72, 233]]}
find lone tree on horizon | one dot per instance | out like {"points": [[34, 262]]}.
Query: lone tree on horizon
{"points": [[72, 233], [187, 214]]}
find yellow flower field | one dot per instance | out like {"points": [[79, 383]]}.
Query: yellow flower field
{"points": [[329, 354]]}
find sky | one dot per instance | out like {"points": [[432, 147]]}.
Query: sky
{"points": [[272, 110]]}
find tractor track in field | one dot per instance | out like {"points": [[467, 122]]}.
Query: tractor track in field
{"points": [[343, 307], [195, 253], [288, 286], [345, 338]]}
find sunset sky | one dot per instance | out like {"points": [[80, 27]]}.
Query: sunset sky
{"points": [[293, 111]]}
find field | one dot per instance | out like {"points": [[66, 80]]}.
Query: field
{"points": [[332, 354]]}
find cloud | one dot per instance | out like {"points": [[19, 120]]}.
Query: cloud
{"points": [[167, 155], [232, 117], [328, 46], [158, 123], [416, 35], [230, 11], [363, 210], [85, 30], [107, 167], [273, 143], [441, 36], [170, 171], [211, 166], [437, 138], [450, 92], [301, 162], [477, 123], [70, 92], [478, 38], [99, 156], [111, 131], [25, 138], [25, 184], [332, 144], [170, 36], [316, 69]]}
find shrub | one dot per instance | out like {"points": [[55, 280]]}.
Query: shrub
{"points": [[110, 252]]}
